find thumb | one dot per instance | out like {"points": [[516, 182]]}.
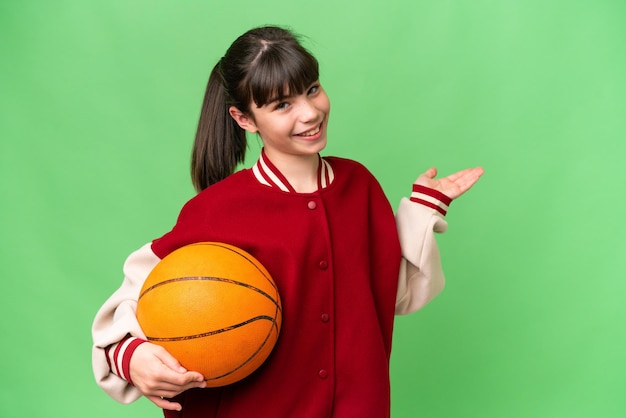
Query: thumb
{"points": [[171, 363], [431, 173], [168, 360], [427, 177]]}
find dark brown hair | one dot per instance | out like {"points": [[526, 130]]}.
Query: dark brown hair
{"points": [[263, 64]]}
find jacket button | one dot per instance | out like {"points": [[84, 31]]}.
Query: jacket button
{"points": [[323, 374], [312, 204], [323, 264], [325, 317]]}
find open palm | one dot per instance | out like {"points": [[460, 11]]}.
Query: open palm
{"points": [[453, 185]]}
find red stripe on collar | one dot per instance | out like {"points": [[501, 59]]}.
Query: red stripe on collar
{"points": [[268, 174]]}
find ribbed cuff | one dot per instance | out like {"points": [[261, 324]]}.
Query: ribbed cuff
{"points": [[431, 198], [118, 356]]}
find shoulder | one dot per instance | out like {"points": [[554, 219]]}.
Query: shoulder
{"points": [[347, 166], [223, 191], [354, 176], [352, 171], [230, 185], [197, 218]]}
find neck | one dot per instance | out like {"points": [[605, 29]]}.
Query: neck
{"points": [[299, 170]]}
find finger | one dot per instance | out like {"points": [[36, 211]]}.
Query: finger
{"points": [[426, 178], [194, 385], [468, 178], [464, 173], [169, 387], [178, 382], [472, 176], [162, 381], [185, 377], [163, 403], [168, 360], [192, 380], [431, 172]]}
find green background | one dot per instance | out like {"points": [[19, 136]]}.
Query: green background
{"points": [[98, 107]]}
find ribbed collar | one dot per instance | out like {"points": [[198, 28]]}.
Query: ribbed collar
{"points": [[267, 173]]}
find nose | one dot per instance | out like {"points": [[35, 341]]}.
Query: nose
{"points": [[308, 111]]}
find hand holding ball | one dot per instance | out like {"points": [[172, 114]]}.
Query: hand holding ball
{"points": [[215, 308]]}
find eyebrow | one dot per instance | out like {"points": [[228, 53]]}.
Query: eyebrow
{"points": [[290, 96], [281, 97]]}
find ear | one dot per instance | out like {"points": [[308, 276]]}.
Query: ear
{"points": [[244, 121]]}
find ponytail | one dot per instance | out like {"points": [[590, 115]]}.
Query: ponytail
{"points": [[260, 65], [220, 143]]}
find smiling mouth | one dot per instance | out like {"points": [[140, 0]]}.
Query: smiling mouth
{"points": [[312, 132]]}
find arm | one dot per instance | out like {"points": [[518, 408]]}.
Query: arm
{"points": [[124, 365], [115, 320], [421, 275]]}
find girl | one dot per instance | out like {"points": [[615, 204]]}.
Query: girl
{"points": [[344, 265]]}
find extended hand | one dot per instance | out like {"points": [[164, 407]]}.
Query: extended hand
{"points": [[452, 186], [159, 376]]}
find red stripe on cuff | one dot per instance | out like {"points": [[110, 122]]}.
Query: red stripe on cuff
{"points": [[432, 193], [115, 358], [128, 353], [429, 204], [119, 359]]}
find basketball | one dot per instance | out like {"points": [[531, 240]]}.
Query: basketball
{"points": [[215, 308]]}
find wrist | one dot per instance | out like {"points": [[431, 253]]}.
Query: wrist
{"points": [[431, 198], [118, 356]]}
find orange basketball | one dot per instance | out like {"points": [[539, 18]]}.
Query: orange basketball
{"points": [[215, 308]]}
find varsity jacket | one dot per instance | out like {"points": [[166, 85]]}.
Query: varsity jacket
{"points": [[343, 264]]}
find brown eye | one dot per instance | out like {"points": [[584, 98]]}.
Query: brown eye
{"points": [[281, 105]]}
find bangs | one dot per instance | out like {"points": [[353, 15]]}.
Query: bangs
{"points": [[281, 72]]}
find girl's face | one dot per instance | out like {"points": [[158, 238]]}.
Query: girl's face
{"points": [[293, 126]]}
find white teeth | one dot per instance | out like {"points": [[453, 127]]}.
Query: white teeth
{"points": [[311, 132]]}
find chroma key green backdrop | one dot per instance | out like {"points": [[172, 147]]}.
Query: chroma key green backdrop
{"points": [[98, 106]]}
